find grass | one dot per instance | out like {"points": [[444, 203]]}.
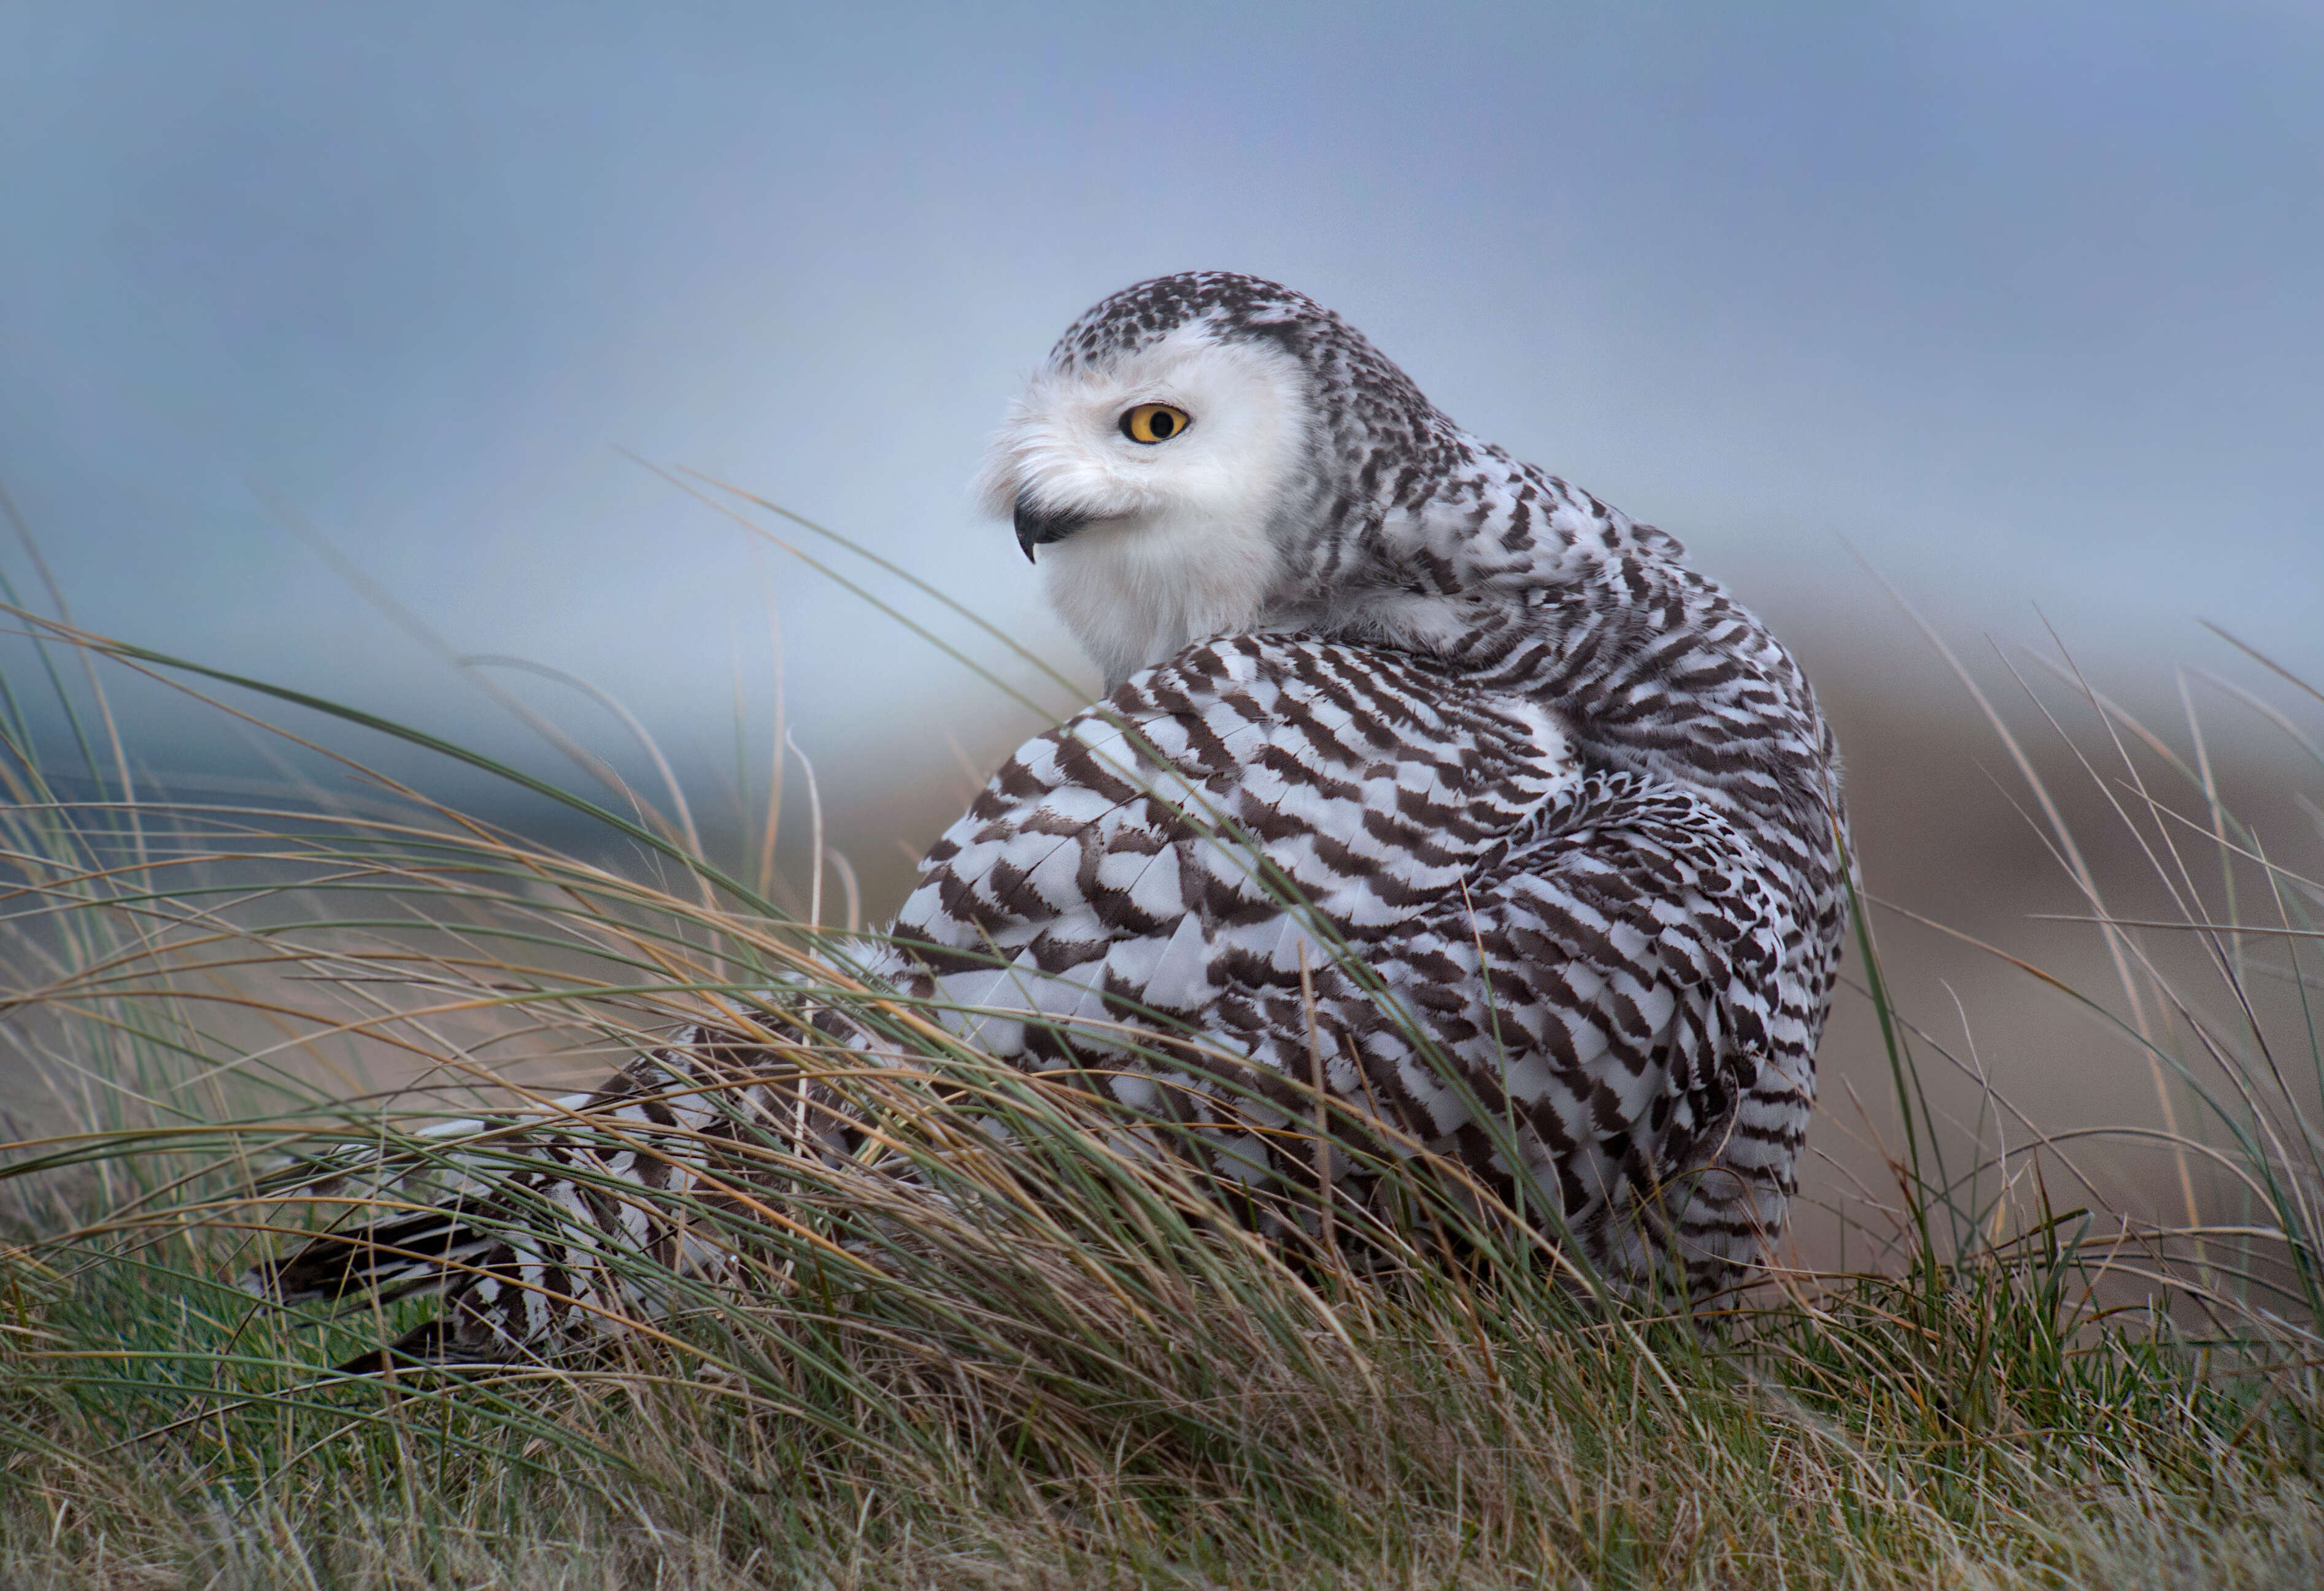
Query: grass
{"points": [[1065, 1373]]}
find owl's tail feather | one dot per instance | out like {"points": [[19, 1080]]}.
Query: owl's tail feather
{"points": [[385, 1261], [460, 1243], [423, 1190], [552, 1227]]}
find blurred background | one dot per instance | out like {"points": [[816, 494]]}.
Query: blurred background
{"points": [[332, 339]]}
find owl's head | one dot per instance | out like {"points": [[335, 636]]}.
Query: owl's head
{"points": [[1186, 454]]}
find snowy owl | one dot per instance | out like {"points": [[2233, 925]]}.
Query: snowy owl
{"points": [[1421, 775]]}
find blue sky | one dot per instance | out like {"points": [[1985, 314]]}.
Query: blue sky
{"points": [[2025, 301]]}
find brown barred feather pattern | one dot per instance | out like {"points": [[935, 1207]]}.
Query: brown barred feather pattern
{"points": [[1419, 763]]}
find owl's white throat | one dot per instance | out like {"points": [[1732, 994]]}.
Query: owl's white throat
{"points": [[1138, 588]]}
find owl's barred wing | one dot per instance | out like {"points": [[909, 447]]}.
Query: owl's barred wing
{"points": [[1222, 817], [1488, 927]]}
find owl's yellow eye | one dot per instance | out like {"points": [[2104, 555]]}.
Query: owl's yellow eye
{"points": [[1154, 422]]}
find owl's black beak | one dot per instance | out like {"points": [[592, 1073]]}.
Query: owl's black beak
{"points": [[1038, 527]]}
